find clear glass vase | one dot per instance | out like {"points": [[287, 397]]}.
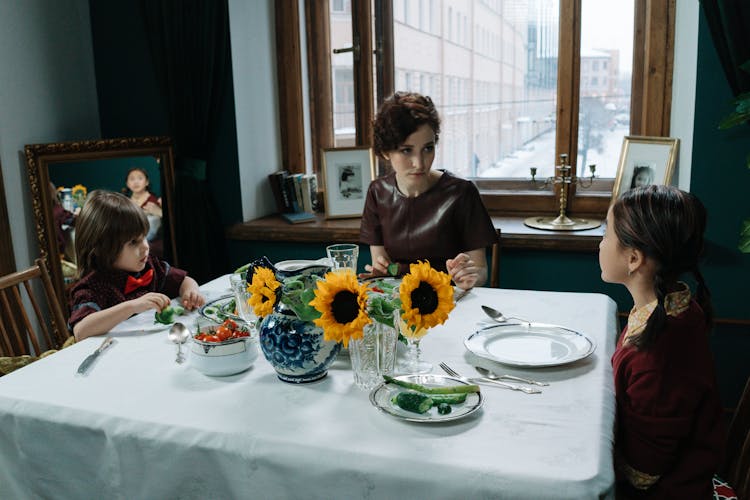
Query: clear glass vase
{"points": [[374, 355], [413, 362]]}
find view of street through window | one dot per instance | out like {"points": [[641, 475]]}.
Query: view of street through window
{"points": [[491, 68]]}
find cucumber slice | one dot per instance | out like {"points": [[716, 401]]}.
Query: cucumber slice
{"points": [[412, 401], [451, 399], [449, 389], [444, 408]]}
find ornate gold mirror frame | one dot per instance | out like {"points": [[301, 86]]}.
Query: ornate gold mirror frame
{"points": [[110, 159]]}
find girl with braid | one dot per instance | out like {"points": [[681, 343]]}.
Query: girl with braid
{"points": [[668, 440]]}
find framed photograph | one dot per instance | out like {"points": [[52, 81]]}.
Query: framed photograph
{"points": [[645, 161], [347, 173]]}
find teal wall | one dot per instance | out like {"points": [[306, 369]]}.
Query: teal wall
{"points": [[123, 68], [105, 174]]}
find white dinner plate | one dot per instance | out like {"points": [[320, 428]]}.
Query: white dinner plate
{"points": [[144, 323], [380, 397], [529, 344]]}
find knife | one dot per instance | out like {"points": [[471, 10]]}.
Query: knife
{"points": [[462, 294], [91, 357]]}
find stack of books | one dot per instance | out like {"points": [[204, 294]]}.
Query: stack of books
{"points": [[296, 195]]}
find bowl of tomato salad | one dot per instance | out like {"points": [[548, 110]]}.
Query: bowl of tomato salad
{"points": [[221, 349]]}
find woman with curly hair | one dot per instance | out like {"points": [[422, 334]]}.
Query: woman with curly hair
{"points": [[417, 213]]}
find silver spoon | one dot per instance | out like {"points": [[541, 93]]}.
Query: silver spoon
{"points": [[494, 376], [498, 316], [178, 333]]}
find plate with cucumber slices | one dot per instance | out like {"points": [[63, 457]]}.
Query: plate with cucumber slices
{"points": [[426, 398], [218, 310]]}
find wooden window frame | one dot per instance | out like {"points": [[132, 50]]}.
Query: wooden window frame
{"points": [[653, 56]]}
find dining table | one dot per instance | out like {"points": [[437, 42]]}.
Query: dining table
{"points": [[138, 424]]}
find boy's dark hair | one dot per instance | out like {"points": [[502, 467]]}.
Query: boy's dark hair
{"points": [[399, 116], [107, 221], [667, 225]]}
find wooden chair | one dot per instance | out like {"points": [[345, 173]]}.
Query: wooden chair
{"points": [[18, 335], [736, 470], [495, 266]]}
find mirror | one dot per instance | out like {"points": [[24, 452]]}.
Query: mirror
{"points": [[61, 174]]}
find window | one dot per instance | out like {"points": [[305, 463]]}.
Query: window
{"points": [[531, 80]]}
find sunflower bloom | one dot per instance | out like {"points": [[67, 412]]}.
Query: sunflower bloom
{"points": [[342, 303], [263, 291], [426, 298]]}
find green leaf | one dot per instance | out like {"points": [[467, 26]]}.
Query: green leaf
{"points": [[744, 245], [733, 120], [381, 308]]}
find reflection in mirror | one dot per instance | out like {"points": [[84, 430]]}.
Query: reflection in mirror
{"points": [[62, 174]]}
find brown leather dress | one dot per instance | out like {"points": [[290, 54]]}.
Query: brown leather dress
{"points": [[437, 225]]}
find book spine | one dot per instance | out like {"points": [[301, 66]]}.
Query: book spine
{"points": [[306, 201], [291, 193], [298, 192], [314, 193], [278, 196]]}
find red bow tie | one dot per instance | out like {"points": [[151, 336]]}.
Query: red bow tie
{"points": [[135, 283]]}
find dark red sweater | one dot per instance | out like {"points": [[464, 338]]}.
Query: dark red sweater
{"points": [[668, 409], [100, 290]]}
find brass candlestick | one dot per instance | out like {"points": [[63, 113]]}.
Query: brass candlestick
{"points": [[562, 222]]}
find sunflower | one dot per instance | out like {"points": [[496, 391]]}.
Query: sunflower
{"points": [[426, 297], [342, 302], [79, 190], [263, 289]]}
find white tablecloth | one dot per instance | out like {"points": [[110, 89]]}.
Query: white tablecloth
{"points": [[138, 425]]}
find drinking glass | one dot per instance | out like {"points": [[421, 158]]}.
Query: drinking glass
{"points": [[373, 355], [238, 282], [343, 256], [413, 362]]}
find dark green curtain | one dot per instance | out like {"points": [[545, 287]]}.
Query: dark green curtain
{"points": [[189, 42], [729, 22]]}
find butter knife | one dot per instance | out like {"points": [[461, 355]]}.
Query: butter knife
{"points": [[91, 357], [513, 387], [460, 295]]}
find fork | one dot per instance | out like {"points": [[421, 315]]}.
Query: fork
{"points": [[453, 373]]}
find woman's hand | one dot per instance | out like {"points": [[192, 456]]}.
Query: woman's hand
{"points": [[380, 262], [153, 209], [190, 294], [466, 269], [379, 267]]}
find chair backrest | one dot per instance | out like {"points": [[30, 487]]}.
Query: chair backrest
{"points": [[19, 333], [495, 264], [737, 464]]}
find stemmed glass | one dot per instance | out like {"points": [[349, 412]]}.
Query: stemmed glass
{"points": [[413, 362]]}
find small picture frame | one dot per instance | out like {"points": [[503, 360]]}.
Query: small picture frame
{"points": [[347, 173], [644, 161]]}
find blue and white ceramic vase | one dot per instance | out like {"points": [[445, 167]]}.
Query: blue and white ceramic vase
{"points": [[296, 348]]}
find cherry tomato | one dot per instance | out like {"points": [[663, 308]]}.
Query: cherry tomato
{"points": [[223, 332], [212, 338], [230, 324]]}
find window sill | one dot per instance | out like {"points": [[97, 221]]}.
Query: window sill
{"points": [[514, 234]]}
